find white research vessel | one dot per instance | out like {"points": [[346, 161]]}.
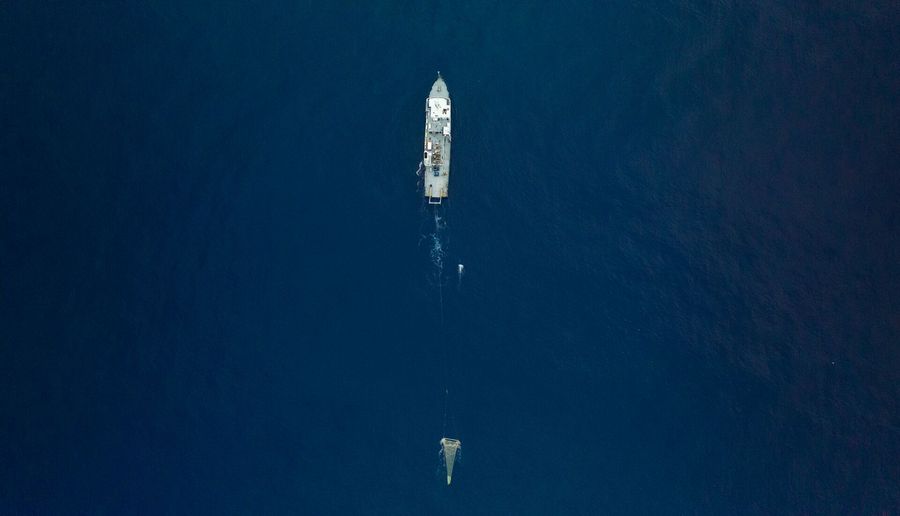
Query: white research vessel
{"points": [[436, 161]]}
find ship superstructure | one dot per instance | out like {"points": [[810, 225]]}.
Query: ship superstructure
{"points": [[436, 160]]}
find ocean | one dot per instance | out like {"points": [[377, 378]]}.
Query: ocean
{"points": [[678, 221]]}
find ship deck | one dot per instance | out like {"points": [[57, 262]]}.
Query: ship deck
{"points": [[436, 178]]}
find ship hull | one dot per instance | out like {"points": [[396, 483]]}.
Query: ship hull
{"points": [[436, 152]]}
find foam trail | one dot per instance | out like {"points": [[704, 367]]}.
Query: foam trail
{"points": [[437, 258], [437, 252], [437, 247]]}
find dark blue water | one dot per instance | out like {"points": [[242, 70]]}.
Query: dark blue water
{"points": [[679, 223]]}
